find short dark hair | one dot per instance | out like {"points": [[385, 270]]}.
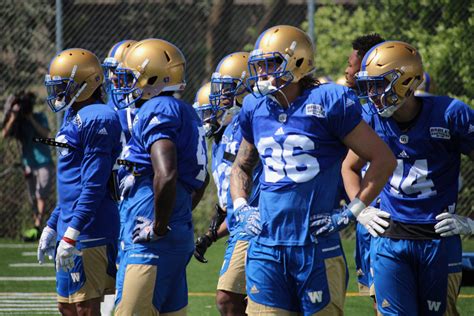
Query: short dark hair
{"points": [[364, 43]]}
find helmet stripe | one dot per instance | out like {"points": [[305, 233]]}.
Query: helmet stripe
{"points": [[116, 46]]}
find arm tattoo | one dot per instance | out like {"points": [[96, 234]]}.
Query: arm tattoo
{"points": [[241, 174]]}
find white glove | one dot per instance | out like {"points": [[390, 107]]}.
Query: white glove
{"points": [[126, 184], [374, 220], [47, 244], [65, 255], [67, 250], [452, 224]]}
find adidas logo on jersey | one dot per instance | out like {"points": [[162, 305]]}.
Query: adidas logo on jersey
{"points": [[349, 102], [103, 131], [403, 154], [254, 290], [385, 303], [280, 131], [315, 296], [154, 121]]}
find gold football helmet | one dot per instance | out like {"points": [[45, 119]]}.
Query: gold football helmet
{"points": [[282, 52], [74, 75], [117, 53], [115, 56], [150, 67], [228, 81], [427, 86], [390, 72], [203, 107]]}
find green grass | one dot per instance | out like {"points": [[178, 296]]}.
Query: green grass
{"points": [[202, 279]]}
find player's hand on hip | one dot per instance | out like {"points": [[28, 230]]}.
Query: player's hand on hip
{"points": [[202, 243], [47, 244], [144, 230], [374, 220], [65, 255], [452, 224]]}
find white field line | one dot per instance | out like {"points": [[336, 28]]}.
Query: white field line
{"points": [[31, 265], [29, 254], [26, 279], [15, 246]]}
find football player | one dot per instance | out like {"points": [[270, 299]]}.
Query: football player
{"points": [[427, 134], [360, 46], [228, 89], [168, 151], [300, 130], [85, 222], [220, 171]]}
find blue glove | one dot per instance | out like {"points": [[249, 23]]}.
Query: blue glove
{"points": [[248, 218], [324, 224], [143, 230]]}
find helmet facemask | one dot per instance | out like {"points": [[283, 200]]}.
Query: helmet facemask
{"points": [[380, 91], [62, 92], [266, 69], [126, 91]]}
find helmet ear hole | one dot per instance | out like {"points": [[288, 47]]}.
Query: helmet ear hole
{"points": [[152, 80], [299, 62], [407, 81]]}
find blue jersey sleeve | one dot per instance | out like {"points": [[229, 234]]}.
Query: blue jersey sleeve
{"points": [[53, 218], [100, 141], [461, 118], [160, 126], [245, 118], [344, 113]]}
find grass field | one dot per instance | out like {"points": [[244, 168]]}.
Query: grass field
{"points": [[28, 289]]}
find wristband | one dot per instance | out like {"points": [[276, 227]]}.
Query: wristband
{"points": [[69, 241], [238, 202], [356, 206], [71, 233]]}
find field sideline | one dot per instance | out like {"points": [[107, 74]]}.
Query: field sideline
{"points": [[28, 289]]}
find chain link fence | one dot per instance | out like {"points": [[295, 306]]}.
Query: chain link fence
{"points": [[206, 31]]}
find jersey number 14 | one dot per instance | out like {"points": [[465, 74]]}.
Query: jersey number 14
{"points": [[415, 182]]}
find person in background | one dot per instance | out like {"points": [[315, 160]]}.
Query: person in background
{"points": [[23, 124]]}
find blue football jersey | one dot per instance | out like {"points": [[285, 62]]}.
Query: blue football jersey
{"points": [[165, 117], [425, 181], [83, 171], [231, 139], [220, 172], [301, 151]]}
